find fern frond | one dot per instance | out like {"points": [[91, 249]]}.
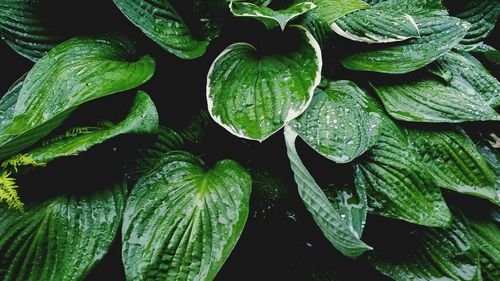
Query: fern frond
{"points": [[8, 191], [20, 160]]}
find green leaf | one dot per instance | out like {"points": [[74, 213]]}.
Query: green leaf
{"points": [[25, 30], [268, 16], [377, 25], [341, 222], [318, 28], [482, 15], [252, 93], [455, 163], [438, 35], [491, 155], [490, 53], [329, 11], [142, 119], [397, 184], [471, 70], [341, 123], [183, 28], [61, 238], [413, 7], [76, 71], [486, 235], [182, 221], [430, 254], [430, 100], [8, 103]]}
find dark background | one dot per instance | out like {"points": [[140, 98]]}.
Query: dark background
{"points": [[280, 240]]}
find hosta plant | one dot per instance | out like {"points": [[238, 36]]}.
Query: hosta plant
{"points": [[366, 131]]}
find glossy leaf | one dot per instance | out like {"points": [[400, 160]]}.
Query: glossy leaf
{"points": [[489, 52], [252, 94], [430, 100], [482, 15], [76, 71], [8, 103], [492, 157], [471, 70], [329, 11], [25, 29], [398, 184], [438, 35], [377, 25], [431, 254], [319, 29], [341, 123], [412, 7], [164, 22], [268, 16], [182, 221], [455, 163], [142, 119], [341, 222], [61, 238]]}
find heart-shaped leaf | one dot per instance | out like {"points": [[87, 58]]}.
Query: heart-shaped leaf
{"points": [[142, 119], [455, 163], [183, 28], [27, 31], [74, 72], [430, 100], [252, 93], [269, 17], [182, 221], [341, 222], [341, 122], [61, 238], [397, 183]]}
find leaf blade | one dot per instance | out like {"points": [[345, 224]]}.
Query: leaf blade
{"points": [[341, 123], [45, 100], [396, 183], [241, 99], [179, 210], [339, 232], [76, 221]]}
